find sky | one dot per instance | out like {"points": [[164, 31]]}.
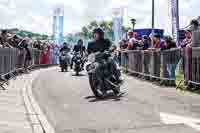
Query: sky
{"points": [[36, 15]]}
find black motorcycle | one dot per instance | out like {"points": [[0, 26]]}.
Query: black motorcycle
{"points": [[100, 78], [78, 63], [64, 61]]}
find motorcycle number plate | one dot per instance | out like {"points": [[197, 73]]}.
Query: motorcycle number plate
{"points": [[62, 57]]}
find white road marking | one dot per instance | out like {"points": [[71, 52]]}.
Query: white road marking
{"points": [[167, 118]]}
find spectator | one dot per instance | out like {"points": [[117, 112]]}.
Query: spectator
{"points": [[145, 42], [123, 44], [45, 54], [157, 42], [169, 43], [188, 39], [55, 54], [195, 32], [194, 25], [170, 63], [28, 56], [4, 39], [121, 48], [131, 40], [37, 45], [21, 55], [16, 41]]}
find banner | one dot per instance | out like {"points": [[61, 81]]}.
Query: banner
{"points": [[58, 21], [117, 24], [175, 20], [117, 28], [61, 26]]}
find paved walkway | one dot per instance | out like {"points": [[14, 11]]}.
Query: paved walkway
{"points": [[13, 114], [18, 112]]}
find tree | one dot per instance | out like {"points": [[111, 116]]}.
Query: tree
{"points": [[94, 24], [44, 37], [125, 29], [107, 26], [85, 32]]}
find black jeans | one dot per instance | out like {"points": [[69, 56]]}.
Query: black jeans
{"points": [[112, 66]]}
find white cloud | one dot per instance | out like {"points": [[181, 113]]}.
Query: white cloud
{"points": [[35, 15]]}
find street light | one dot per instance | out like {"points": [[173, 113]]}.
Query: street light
{"points": [[133, 21], [153, 15]]}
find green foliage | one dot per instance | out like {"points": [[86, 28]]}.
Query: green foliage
{"points": [[107, 26], [29, 34]]}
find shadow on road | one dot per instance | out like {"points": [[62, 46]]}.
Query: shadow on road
{"points": [[110, 96], [80, 75], [63, 72]]}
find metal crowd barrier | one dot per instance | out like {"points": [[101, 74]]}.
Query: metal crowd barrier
{"points": [[12, 63], [124, 60], [162, 65], [169, 63], [155, 65], [12, 60], [8, 60], [193, 66]]}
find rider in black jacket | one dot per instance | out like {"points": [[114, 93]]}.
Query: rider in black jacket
{"points": [[78, 48], [100, 44]]}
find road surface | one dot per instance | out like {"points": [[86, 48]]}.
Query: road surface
{"points": [[70, 107]]}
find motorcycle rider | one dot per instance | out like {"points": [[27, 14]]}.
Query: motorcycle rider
{"points": [[100, 44], [79, 48], [66, 50]]}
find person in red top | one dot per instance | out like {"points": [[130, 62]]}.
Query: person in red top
{"points": [[45, 55]]}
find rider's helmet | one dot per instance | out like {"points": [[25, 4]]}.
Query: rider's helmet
{"points": [[80, 42], [65, 44], [99, 31]]}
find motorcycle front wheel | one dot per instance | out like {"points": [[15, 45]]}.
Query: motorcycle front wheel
{"points": [[96, 86], [77, 73]]}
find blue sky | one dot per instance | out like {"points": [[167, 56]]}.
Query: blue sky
{"points": [[35, 15]]}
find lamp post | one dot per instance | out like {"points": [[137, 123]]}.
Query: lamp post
{"points": [[133, 21], [153, 16]]}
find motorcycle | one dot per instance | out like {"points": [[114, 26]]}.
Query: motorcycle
{"points": [[100, 78], [78, 63], [64, 61]]}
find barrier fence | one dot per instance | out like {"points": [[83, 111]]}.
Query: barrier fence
{"points": [[194, 66], [164, 65], [12, 60], [152, 65]]}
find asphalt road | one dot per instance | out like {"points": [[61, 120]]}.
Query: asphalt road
{"points": [[70, 106]]}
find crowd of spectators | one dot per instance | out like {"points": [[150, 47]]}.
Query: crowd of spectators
{"points": [[157, 43], [25, 46], [134, 42], [146, 42]]}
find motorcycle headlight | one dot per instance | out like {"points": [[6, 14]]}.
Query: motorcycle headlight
{"points": [[91, 58]]}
